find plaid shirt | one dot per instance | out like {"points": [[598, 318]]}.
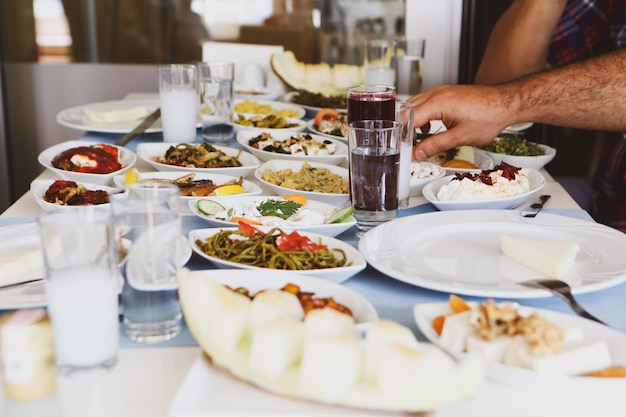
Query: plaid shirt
{"points": [[588, 28]]}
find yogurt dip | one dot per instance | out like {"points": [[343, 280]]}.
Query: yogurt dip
{"points": [[303, 217], [502, 182]]}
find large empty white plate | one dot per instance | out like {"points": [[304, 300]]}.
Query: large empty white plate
{"points": [[459, 252]]}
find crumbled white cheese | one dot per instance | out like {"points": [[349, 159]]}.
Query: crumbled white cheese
{"points": [[469, 190]]}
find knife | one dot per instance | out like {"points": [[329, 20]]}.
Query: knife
{"points": [[17, 284], [535, 208], [141, 127]]}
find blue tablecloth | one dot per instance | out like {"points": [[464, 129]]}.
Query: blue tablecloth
{"points": [[394, 299]]}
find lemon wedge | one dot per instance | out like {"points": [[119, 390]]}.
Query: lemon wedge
{"points": [[132, 176], [228, 190]]}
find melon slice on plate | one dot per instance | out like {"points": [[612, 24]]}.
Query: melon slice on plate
{"points": [[323, 357], [316, 78]]}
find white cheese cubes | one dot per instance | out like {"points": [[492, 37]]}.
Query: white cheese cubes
{"points": [[551, 258]]}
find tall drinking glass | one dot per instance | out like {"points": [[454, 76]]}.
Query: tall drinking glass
{"points": [[374, 166], [404, 115], [377, 62], [150, 247], [408, 60], [216, 101], [178, 91], [81, 288], [371, 102]]}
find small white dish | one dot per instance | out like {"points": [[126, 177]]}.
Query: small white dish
{"points": [[546, 383], [417, 184], [310, 125], [275, 107], [534, 162], [281, 164], [340, 155], [481, 160], [255, 93], [330, 229], [39, 188], [299, 125], [127, 159], [430, 190], [311, 111], [149, 151], [249, 188], [355, 260]]}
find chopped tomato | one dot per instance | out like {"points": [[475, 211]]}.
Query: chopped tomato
{"points": [[246, 221], [249, 229], [324, 114], [294, 241]]}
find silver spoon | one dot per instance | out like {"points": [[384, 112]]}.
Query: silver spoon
{"points": [[563, 290]]}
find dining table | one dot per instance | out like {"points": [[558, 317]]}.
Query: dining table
{"points": [[176, 379]]}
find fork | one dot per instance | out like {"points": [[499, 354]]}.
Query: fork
{"points": [[563, 290]]}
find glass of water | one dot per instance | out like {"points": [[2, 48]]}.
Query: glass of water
{"points": [[216, 101]]}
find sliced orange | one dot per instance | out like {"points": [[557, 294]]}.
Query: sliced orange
{"points": [[617, 371], [457, 304], [297, 198], [438, 324], [246, 221]]}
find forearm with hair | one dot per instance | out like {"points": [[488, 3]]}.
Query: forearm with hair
{"points": [[590, 94]]}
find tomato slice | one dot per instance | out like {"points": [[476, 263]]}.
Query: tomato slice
{"points": [[324, 114], [249, 229], [294, 241]]}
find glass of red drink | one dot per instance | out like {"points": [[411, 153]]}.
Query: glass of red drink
{"points": [[371, 102], [374, 171]]}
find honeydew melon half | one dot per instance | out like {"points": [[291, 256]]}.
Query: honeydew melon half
{"points": [[317, 78], [215, 315]]}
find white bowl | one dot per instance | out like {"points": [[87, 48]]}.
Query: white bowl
{"points": [[149, 151], [300, 125], [39, 188], [276, 106], [249, 188], [126, 157], [534, 162], [355, 260], [280, 164], [332, 229], [340, 155], [256, 93], [430, 190], [417, 184]]}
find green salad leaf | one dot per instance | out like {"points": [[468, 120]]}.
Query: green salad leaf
{"points": [[282, 209]]}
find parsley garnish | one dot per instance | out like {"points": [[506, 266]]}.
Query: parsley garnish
{"points": [[282, 209]]}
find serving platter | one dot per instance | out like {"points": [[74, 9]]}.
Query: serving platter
{"points": [[310, 125], [328, 229], [459, 252], [529, 380], [355, 261], [148, 151]]}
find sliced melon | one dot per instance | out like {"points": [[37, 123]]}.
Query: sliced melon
{"points": [[329, 367], [316, 78]]}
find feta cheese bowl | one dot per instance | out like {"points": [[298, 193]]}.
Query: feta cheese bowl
{"points": [[295, 146], [311, 216], [449, 193]]}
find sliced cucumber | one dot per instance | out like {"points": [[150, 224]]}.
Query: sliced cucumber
{"points": [[210, 207], [340, 215]]}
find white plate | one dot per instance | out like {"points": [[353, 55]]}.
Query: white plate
{"points": [[459, 252], [332, 274], [275, 105], [417, 184], [126, 157], [74, 118], [148, 151], [311, 110], [39, 188], [323, 229], [280, 164], [256, 93], [340, 155], [255, 281], [310, 125], [249, 188], [430, 190], [527, 379], [21, 236], [300, 125]]}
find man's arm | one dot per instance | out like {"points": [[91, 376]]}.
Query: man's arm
{"points": [[590, 94], [519, 42]]}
